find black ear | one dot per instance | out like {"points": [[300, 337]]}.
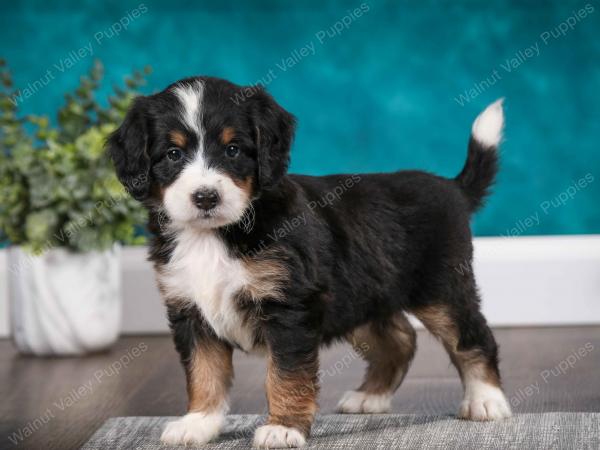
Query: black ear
{"points": [[127, 147], [274, 128]]}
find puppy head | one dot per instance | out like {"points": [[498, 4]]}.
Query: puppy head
{"points": [[202, 150]]}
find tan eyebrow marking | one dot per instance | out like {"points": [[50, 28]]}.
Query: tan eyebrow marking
{"points": [[178, 138], [227, 135]]}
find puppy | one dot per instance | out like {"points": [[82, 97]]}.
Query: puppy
{"points": [[250, 258]]}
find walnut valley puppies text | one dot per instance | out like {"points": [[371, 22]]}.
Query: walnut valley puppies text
{"points": [[326, 200], [522, 55], [78, 393], [297, 55], [75, 56], [546, 207], [546, 376]]}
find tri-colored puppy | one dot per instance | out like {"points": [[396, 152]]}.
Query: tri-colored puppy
{"points": [[250, 258]]}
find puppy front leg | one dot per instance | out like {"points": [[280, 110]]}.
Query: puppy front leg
{"points": [[292, 388], [209, 372]]}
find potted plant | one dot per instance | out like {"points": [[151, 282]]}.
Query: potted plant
{"points": [[64, 214]]}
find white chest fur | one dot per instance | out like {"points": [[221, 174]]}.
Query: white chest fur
{"points": [[202, 271]]}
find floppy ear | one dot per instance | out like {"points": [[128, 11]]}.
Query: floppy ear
{"points": [[274, 134], [127, 147]]}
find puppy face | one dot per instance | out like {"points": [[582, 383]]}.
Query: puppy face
{"points": [[202, 150], [207, 165]]}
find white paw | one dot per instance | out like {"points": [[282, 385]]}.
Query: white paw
{"points": [[193, 428], [278, 436], [353, 402], [484, 402]]}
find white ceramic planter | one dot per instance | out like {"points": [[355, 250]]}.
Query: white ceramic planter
{"points": [[64, 303]]}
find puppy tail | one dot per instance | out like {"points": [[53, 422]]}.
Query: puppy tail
{"points": [[479, 172]]}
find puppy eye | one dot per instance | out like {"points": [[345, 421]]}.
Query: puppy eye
{"points": [[174, 154], [232, 151]]}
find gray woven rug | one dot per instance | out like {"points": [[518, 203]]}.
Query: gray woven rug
{"points": [[380, 431]]}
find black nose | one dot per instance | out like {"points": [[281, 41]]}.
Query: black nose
{"points": [[205, 199]]}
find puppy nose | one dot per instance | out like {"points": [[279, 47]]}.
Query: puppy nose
{"points": [[205, 199]]}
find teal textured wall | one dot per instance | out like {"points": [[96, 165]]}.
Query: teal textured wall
{"points": [[376, 86]]}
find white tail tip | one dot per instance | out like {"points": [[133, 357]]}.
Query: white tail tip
{"points": [[487, 128]]}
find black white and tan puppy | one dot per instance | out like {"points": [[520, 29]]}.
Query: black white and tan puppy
{"points": [[250, 258]]}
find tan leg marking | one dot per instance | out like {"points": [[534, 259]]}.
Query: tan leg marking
{"points": [[484, 399], [292, 397], [389, 351], [210, 374]]}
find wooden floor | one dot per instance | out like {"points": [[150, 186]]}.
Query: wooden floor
{"points": [[58, 403]]}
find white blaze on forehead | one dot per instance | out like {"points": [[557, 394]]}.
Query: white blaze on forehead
{"points": [[191, 96]]}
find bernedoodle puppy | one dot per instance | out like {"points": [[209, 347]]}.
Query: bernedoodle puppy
{"points": [[248, 257]]}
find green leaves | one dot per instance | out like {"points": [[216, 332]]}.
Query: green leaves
{"points": [[57, 185], [40, 225]]}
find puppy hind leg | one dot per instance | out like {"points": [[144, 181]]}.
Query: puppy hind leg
{"points": [[473, 351], [388, 349]]}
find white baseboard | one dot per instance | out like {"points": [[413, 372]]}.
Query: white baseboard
{"points": [[545, 280], [143, 310], [524, 281]]}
